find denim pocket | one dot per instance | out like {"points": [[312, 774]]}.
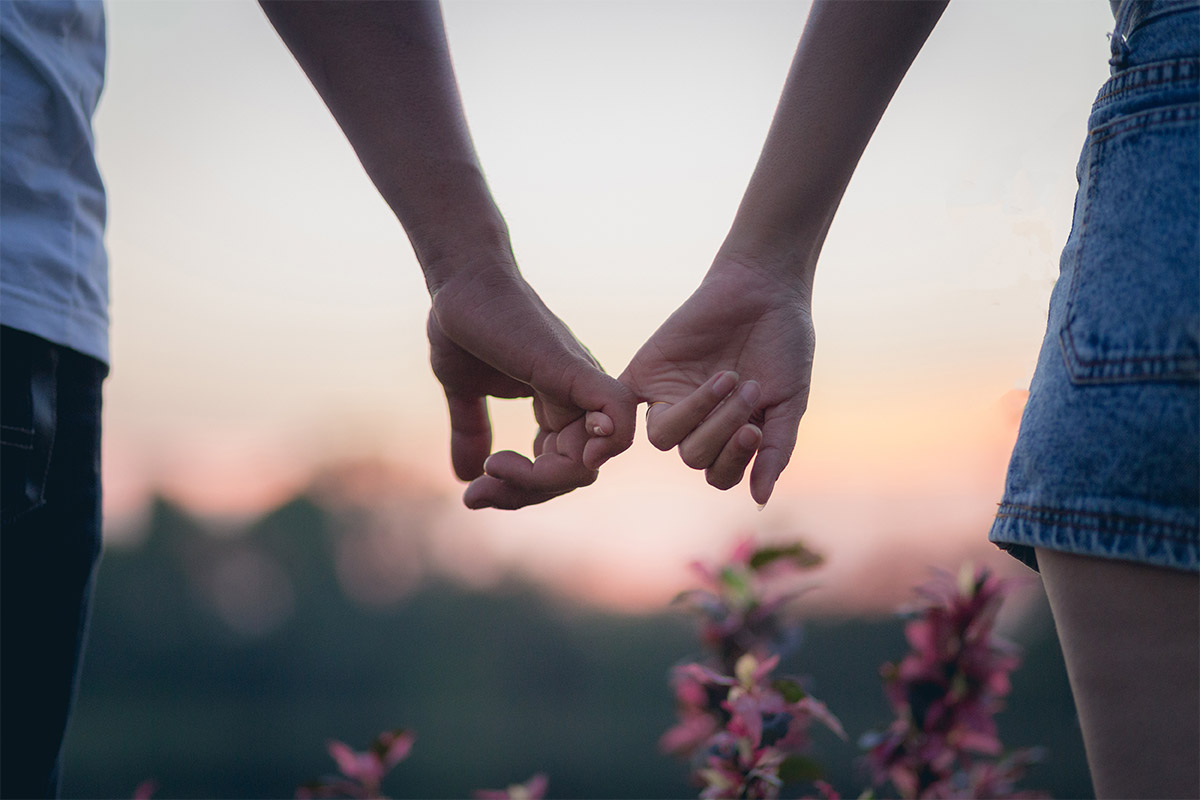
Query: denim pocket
{"points": [[28, 407], [1133, 307]]}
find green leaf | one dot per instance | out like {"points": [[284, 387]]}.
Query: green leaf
{"points": [[696, 597], [791, 691], [795, 769], [735, 581], [797, 552]]}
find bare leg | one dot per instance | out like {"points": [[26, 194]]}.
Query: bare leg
{"points": [[1130, 635]]}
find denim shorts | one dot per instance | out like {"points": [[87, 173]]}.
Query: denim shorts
{"points": [[1107, 461]]}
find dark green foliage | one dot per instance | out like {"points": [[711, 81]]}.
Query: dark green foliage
{"points": [[496, 685], [800, 769]]}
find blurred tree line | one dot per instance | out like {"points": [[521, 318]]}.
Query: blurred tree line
{"points": [[220, 665]]}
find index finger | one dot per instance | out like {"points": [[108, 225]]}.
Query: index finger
{"points": [[513, 481], [559, 468], [488, 492]]}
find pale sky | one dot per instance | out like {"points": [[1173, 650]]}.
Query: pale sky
{"points": [[269, 314]]}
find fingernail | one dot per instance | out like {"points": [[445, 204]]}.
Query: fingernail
{"points": [[748, 438], [724, 384], [598, 424], [485, 466], [750, 392], [762, 506]]}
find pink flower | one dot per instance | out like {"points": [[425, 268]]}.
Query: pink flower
{"points": [[742, 599], [361, 773], [363, 767], [826, 791], [946, 692], [392, 747], [689, 734], [532, 789], [737, 723]]}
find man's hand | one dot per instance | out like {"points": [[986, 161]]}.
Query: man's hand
{"points": [[740, 323], [491, 335], [384, 71]]}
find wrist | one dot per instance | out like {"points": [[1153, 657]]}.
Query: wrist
{"points": [[451, 249], [785, 256]]}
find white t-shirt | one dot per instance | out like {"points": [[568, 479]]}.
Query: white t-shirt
{"points": [[53, 266]]}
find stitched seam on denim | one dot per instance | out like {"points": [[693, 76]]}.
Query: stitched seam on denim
{"points": [[1065, 338], [1098, 515], [1125, 531], [1159, 117], [1169, 10], [1188, 363], [11, 436], [1098, 529], [1128, 81], [1137, 76], [1084, 224]]}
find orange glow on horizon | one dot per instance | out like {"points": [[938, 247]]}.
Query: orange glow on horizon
{"points": [[880, 503]]}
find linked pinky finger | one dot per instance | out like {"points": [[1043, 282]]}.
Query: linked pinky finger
{"points": [[599, 424]]}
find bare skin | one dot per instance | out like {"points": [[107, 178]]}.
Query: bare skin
{"points": [[1130, 635], [751, 313], [384, 71], [738, 320], [1129, 632]]}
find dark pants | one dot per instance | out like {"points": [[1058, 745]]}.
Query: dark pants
{"points": [[49, 548]]}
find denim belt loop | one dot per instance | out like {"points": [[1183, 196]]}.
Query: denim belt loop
{"points": [[1133, 13], [1118, 39]]}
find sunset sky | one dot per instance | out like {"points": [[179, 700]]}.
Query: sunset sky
{"points": [[268, 311]]}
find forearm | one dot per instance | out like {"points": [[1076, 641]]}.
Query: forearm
{"points": [[384, 71], [851, 58]]}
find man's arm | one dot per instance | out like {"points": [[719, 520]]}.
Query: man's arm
{"points": [[752, 312], [384, 71]]}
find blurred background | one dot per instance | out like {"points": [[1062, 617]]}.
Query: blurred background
{"points": [[287, 558]]}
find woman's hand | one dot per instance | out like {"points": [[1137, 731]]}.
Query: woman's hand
{"points": [[741, 323]]}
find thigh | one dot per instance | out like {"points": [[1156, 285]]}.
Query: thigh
{"points": [[49, 544], [1130, 635]]}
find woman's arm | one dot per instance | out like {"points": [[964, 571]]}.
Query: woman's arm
{"points": [[752, 312]]}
